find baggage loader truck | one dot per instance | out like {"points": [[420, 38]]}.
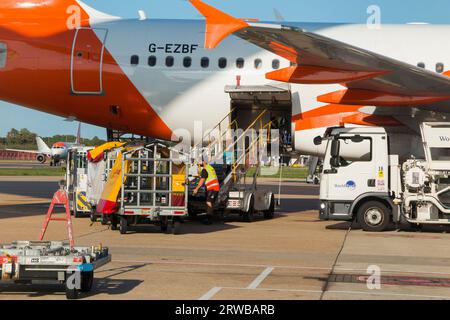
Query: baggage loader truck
{"points": [[77, 181], [378, 177]]}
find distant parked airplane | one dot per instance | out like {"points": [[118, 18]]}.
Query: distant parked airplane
{"points": [[56, 153]]}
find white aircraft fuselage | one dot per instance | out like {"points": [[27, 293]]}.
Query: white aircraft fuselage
{"points": [[146, 76]]}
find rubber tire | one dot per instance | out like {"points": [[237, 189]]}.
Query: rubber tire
{"points": [[123, 227], [269, 214], [164, 224], [249, 216], [386, 216], [114, 223], [87, 281], [77, 214], [176, 227], [104, 220], [72, 294], [93, 216]]}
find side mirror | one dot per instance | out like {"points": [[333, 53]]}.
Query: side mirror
{"points": [[335, 148], [318, 141]]}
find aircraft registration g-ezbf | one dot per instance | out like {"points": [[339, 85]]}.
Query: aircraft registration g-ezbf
{"points": [[153, 77]]}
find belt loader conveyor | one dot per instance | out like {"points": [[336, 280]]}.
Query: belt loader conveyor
{"points": [[28, 262]]}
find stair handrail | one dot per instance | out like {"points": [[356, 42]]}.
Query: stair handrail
{"points": [[219, 125]]}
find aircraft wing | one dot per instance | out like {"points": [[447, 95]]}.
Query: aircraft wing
{"points": [[24, 151], [370, 79]]}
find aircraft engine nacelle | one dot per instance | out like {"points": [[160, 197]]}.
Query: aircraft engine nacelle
{"points": [[305, 142], [41, 158]]}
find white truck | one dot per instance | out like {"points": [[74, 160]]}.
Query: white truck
{"points": [[77, 181], [378, 176]]}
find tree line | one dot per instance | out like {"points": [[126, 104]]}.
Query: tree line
{"points": [[25, 139]]}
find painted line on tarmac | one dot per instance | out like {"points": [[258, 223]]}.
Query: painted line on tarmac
{"points": [[342, 292], [210, 294], [259, 279], [364, 271], [222, 264]]}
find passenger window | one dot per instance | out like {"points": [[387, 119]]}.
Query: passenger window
{"points": [[187, 62], [258, 64], [152, 61], [421, 65], [204, 62], [134, 60], [222, 63], [440, 67], [276, 64], [351, 151], [3, 55], [170, 61], [240, 62]]}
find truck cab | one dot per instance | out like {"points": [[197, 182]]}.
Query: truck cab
{"points": [[355, 171], [377, 177]]}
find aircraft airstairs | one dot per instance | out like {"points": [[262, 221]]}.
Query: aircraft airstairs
{"points": [[250, 138], [313, 172], [237, 155]]}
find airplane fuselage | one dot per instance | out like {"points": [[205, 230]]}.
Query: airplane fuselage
{"points": [[153, 77]]}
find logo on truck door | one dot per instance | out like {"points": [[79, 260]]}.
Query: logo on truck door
{"points": [[350, 185]]}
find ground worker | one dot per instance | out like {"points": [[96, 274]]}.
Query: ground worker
{"points": [[208, 177]]}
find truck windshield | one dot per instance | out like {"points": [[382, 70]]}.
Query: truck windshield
{"points": [[440, 154], [81, 160], [351, 151]]}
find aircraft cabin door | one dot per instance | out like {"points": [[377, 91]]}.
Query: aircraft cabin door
{"points": [[87, 61]]}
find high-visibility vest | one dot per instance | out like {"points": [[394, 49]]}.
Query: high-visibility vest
{"points": [[212, 183]]}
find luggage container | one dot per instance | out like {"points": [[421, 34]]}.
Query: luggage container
{"points": [[153, 188], [98, 172], [77, 181]]}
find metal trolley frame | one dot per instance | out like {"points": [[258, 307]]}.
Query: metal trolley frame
{"points": [[151, 187]]}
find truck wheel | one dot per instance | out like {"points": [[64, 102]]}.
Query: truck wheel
{"points": [[87, 280], [248, 216], [72, 294], [123, 225], [176, 227], [93, 216], [270, 213], [104, 220], [374, 216], [114, 223], [76, 213], [164, 226]]}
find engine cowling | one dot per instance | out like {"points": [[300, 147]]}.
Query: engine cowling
{"points": [[41, 158]]}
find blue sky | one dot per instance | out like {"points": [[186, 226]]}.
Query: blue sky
{"points": [[353, 11]]}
